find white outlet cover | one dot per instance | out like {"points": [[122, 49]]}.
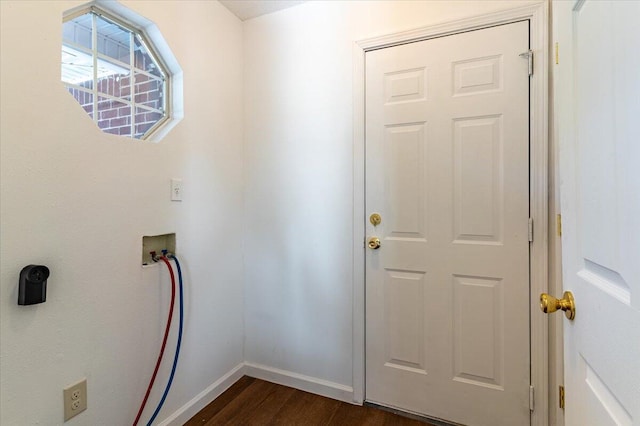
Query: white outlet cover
{"points": [[75, 399], [176, 189]]}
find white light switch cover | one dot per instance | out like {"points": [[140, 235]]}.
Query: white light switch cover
{"points": [[176, 189]]}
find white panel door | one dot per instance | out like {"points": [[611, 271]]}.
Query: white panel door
{"points": [[597, 107], [447, 168]]}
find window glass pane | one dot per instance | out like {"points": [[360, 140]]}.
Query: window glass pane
{"points": [[145, 120], [85, 99], [78, 31], [113, 80], [143, 59], [114, 117], [77, 67], [113, 40], [74, 73], [149, 91]]}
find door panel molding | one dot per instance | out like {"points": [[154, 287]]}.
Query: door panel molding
{"points": [[537, 15]]}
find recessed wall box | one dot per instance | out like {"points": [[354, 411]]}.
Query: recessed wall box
{"points": [[157, 243]]}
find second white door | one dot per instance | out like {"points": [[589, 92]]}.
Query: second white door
{"points": [[447, 169], [597, 105]]}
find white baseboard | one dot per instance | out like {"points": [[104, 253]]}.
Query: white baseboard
{"points": [[300, 381], [191, 408]]}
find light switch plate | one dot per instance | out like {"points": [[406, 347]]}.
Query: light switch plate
{"points": [[176, 189]]}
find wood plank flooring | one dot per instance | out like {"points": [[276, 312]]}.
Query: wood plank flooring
{"points": [[255, 402]]}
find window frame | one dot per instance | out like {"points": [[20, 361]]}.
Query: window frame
{"points": [[144, 39]]}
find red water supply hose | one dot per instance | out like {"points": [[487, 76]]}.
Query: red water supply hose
{"points": [[164, 340]]}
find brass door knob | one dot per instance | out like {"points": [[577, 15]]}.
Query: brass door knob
{"points": [[549, 304], [374, 243]]}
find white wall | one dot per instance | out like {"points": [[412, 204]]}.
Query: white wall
{"points": [[299, 158], [79, 201]]}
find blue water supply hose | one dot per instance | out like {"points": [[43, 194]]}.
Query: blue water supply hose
{"points": [[175, 359]]}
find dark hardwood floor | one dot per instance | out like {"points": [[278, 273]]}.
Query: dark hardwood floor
{"points": [[256, 402]]}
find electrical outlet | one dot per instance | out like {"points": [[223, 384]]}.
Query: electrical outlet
{"points": [[75, 399], [176, 189]]}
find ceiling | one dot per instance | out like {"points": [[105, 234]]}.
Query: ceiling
{"points": [[247, 9]]}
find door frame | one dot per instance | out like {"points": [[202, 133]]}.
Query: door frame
{"points": [[538, 16]]}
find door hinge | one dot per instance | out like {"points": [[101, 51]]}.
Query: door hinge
{"points": [[531, 398], [559, 224], [557, 54], [561, 397], [529, 56], [530, 230]]}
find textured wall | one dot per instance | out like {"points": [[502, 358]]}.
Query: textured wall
{"points": [[79, 201], [299, 158]]}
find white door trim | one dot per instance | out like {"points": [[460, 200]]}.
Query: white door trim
{"points": [[537, 15]]}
